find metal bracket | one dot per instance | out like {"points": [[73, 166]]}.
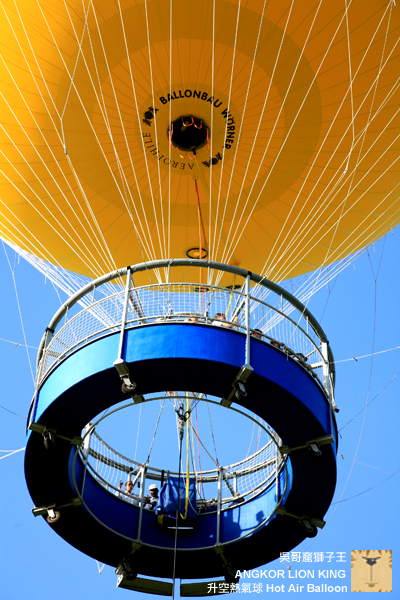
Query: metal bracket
{"points": [[219, 549], [312, 444], [134, 547], [38, 511], [138, 398], [229, 570], [38, 428], [124, 373], [238, 385], [43, 510], [303, 518], [148, 586]]}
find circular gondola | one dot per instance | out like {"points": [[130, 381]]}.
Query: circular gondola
{"points": [[152, 347]]}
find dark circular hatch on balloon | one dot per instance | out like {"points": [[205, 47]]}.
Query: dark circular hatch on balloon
{"points": [[187, 133]]}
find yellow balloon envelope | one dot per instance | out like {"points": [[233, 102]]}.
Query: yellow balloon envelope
{"points": [[263, 134]]}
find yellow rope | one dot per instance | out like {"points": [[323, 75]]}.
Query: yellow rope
{"points": [[193, 458], [187, 459]]}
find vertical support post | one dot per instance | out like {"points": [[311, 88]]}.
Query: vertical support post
{"points": [[32, 413], [217, 540], [40, 366], [278, 461], [41, 360], [142, 488], [247, 314], [85, 453], [124, 312], [326, 372], [48, 337], [277, 465]]}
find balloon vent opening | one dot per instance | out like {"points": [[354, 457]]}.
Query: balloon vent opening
{"points": [[188, 134]]}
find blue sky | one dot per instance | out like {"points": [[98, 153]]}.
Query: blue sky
{"points": [[360, 314]]}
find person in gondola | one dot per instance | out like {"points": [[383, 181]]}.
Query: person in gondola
{"points": [[256, 333], [220, 321], [237, 500], [303, 361], [128, 496], [151, 502], [276, 344]]}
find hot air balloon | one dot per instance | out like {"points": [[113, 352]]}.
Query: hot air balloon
{"points": [[139, 131], [227, 138]]}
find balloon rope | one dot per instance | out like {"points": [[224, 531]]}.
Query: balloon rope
{"points": [[200, 222], [204, 448], [155, 430], [272, 131], [11, 453], [256, 134], [198, 450], [351, 88], [100, 236], [39, 129], [212, 132], [19, 311], [212, 435], [204, 182], [13, 413], [138, 430], [375, 277], [126, 187], [27, 250], [72, 243], [71, 83], [362, 235], [228, 115], [322, 205], [51, 118], [231, 296], [361, 145], [201, 229], [271, 134], [170, 121], [187, 457], [164, 255], [241, 126], [198, 480], [319, 211], [89, 120], [176, 519], [128, 56]]}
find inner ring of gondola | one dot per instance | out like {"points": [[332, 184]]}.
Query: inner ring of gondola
{"points": [[262, 461], [188, 133]]}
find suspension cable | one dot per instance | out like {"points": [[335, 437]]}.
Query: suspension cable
{"points": [[187, 456], [155, 430], [182, 417], [212, 434]]}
